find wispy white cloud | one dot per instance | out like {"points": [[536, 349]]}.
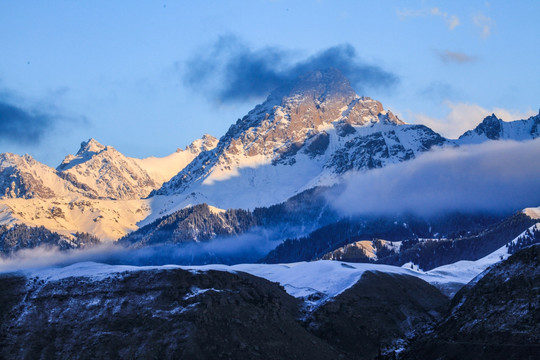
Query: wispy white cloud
{"points": [[494, 177], [463, 116], [452, 21], [485, 24]]}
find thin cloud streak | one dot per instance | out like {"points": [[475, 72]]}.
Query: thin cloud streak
{"points": [[448, 56], [249, 247], [494, 177], [452, 21]]}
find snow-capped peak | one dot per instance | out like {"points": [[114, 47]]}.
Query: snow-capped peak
{"points": [[10, 159], [25, 177], [494, 128], [302, 133], [207, 142], [87, 150], [92, 145]]}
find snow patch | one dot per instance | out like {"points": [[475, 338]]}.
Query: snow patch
{"points": [[195, 291], [533, 213]]}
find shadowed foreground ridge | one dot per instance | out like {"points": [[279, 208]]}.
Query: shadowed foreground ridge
{"points": [[165, 314], [180, 314], [496, 318]]}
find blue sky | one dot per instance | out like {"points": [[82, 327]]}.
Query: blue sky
{"points": [[148, 77]]}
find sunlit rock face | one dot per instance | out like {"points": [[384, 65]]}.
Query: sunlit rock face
{"points": [[20, 177]]}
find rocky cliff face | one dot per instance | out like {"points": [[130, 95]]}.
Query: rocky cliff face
{"points": [[98, 190], [24, 177], [106, 172], [384, 147]]}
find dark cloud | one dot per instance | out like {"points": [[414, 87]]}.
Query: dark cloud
{"points": [[232, 71], [448, 56], [496, 177], [25, 123], [23, 126]]}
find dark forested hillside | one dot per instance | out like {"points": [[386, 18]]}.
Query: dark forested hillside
{"points": [[20, 236], [196, 223], [404, 228], [433, 253]]}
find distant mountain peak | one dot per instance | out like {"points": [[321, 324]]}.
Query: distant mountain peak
{"points": [[207, 142], [491, 119], [86, 151], [92, 145], [494, 128], [490, 127]]}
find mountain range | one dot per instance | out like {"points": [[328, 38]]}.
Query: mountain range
{"points": [[267, 265], [308, 133]]}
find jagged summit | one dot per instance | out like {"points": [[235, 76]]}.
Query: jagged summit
{"points": [[25, 177], [104, 172], [490, 126], [207, 142], [310, 132], [494, 128], [92, 145], [86, 151], [304, 107], [328, 87]]}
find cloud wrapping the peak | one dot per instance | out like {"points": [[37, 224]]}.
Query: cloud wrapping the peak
{"points": [[230, 71], [494, 177]]}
